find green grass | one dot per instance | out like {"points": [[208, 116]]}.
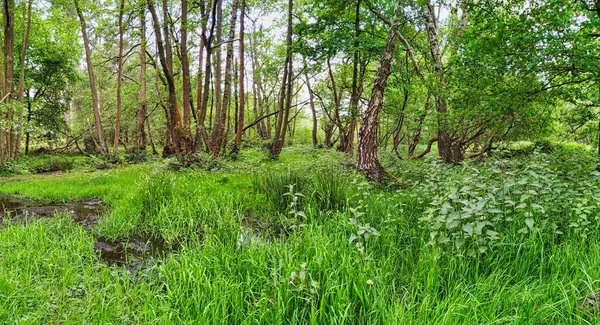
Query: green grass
{"points": [[356, 254]]}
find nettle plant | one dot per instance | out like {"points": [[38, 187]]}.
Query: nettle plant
{"points": [[473, 206], [294, 204], [362, 233]]}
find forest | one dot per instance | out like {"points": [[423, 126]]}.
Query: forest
{"points": [[300, 162]]}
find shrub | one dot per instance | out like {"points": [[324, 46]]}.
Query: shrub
{"points": [[51, 164], [137, 157]]}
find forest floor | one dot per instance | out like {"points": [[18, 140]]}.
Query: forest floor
{"points": [[510, 239]]}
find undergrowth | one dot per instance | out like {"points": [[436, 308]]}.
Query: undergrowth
{"points": [[300, 241]]}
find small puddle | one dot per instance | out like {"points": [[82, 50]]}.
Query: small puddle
{"points": [[15, 209], [132, 254]]}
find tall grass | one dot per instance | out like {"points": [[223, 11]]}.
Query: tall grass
{"points": [[363, 255]]}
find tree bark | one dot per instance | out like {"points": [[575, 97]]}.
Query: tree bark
{"points": [[142, 111], [285, 98], [313, 110], [174, 143], [187, 87], [93, 89], [368, 162], [218, 131], [21, 87], [449, 152], [242, 81], [417, 136], [349, 145], [119, 80]]}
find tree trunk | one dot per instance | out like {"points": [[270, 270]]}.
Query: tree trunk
{"points": [[93, 89], [349, 145], [119, 80], [21, 87], [257, 88], [449, 152], [174, 143], [203, 96], [187, 87], [242, 81], [285, 98], [413, 145], [217, 82], [142, 111], [368, 162], [218, 131], [6, 137], [311, 99]]}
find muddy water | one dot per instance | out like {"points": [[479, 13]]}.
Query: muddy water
{"points": [[132, 254], [85, 213]]}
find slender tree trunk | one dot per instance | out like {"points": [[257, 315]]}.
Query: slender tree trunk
{"points": [[242, 81], [218, 80], [349, 145], [368, 162], [119, 80], [187, 87], [28, 121], [142, 111], [21, 87], [311, 99], [93, 89], [417, 135], [201, 132], [257, 88], [448, 151], [200, 80], [218, 131], [6, 136], [174, 144], [285, 98]]}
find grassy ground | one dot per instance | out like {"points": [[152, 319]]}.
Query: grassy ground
{"points": [[306, 240]]}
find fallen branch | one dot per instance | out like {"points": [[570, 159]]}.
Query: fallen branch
{"points": [[428, 149]]}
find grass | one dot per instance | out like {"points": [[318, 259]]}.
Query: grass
{"points": [[357, 254]]}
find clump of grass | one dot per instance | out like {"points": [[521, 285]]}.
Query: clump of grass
{"points": [[330, 190], [294, 191], [274, 185]]}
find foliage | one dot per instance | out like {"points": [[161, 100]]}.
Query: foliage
{"points": [[366, 262]]}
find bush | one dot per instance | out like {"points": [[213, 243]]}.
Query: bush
{"points": [[51, 164], [137, 157], [9, 168], [544, 145], [198, 161]]}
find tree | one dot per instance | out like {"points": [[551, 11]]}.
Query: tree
{"points": [[218, 132], [285, 94], [21, 86], [6, 134], [93, 89], [242, 93], [119, 79], [142, 111], [367, 160]]}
